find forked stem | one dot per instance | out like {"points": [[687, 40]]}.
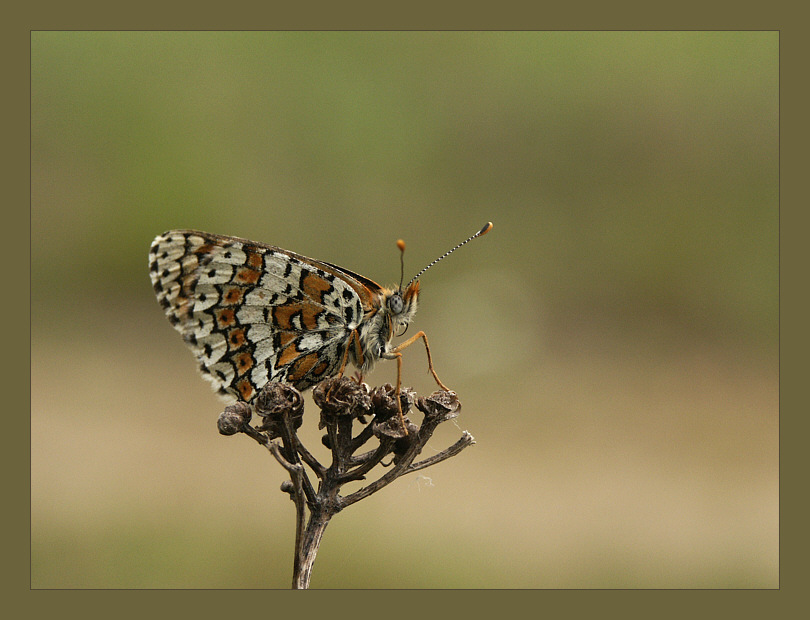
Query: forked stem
{"points": [[343, 403]]}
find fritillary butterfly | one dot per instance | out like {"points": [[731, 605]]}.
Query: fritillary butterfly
{"points": [[253, 313]]}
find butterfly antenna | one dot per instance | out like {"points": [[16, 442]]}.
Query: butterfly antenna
{"points": [[401, 246], [481, 232]]}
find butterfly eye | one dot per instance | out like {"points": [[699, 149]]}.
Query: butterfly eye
{"points": [[395, 303]]}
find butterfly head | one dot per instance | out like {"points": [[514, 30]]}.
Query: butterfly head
{"points": [[400, 305]]}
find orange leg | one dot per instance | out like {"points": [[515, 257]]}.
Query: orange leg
{"points": [[397, 354], [353, 339], [408, 343]]}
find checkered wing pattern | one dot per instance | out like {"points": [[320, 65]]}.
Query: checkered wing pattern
{"points": [[254, 313]]}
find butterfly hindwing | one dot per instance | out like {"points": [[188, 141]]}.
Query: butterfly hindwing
{"points": [[254, 313]]}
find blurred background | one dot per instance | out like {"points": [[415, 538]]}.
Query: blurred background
{"points": [[613, 340]]}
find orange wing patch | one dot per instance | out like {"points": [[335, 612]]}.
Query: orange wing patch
{"points": [[254, 260], [245, 275], [283, 316], [245, 389], [232, 296], [244, 362], [225, 318], [288, 354], [236, 338], [302, 366], [315, 286]]}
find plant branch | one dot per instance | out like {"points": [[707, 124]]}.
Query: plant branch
{"points": [[343, 403]]}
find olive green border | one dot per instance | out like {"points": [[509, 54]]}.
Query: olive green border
{"points": [[591, 15]]}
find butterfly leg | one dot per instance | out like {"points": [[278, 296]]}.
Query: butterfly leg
{"points": [[397, 354], [409, 342], [354, 339]]}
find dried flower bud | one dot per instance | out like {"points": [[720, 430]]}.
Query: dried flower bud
{"points": [[287, 487], [391, 427], [440, 404], [276, 399], [384, 403], [403, 444], [342, 396], [234, 418]]}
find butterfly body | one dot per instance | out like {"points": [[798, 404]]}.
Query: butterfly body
{"points": [[253, 313]]}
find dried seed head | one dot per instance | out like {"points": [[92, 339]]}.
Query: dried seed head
{"points": [[276, 399], [234, 418], [392, 428], [384, 403], [342, 396], [287, 487], [403, 444], [440, 404]]}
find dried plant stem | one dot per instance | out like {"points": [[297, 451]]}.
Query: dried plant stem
{"points": [[343, 404], [306, 552]]}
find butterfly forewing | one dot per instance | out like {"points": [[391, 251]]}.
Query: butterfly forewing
{"points": [[254, 313]]}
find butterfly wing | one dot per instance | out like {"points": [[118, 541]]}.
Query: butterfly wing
{"points": [[254, 313]]}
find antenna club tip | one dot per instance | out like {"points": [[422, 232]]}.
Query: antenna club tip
{"points": [[401, 245], [487, 227]]}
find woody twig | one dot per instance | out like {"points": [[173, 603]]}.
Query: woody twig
{"points": [[345, 406]]}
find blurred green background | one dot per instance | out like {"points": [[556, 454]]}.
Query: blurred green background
{"points": [[613, 340]]}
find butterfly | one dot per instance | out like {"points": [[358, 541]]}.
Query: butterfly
{"points": [[253, 313]]}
